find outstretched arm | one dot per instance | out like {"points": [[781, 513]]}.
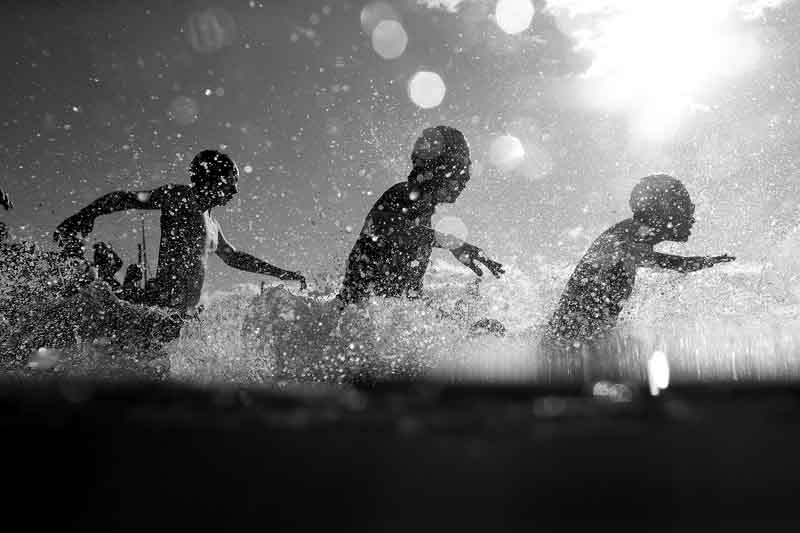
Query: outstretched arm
{"points": [[70, 232], [383, 222], [244, 261], [684, 264], [467, 254], [121, 201]]}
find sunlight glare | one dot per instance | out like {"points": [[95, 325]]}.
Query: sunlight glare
{"points": [[506, 153], [654, 60]]}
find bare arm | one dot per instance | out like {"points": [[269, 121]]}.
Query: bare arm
{"points": [[122, 201], [83, 220], [446, 241], [69, 233], [466, 253], [683, 264], [244, 261]]}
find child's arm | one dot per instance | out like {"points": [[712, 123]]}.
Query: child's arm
{"points": [[684, 264], [244, 261], [466, 253], [69, 234]]}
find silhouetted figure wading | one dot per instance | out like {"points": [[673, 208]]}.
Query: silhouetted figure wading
{"points": [[189, 232], [604, 278], [393, 250]]}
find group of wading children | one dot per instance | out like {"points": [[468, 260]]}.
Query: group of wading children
{"points": [[393, 250]]}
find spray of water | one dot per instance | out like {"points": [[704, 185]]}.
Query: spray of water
{"points": [[724, 324]]}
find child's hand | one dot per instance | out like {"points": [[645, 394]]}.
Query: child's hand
{"points": [[294, 276], [724, 258], [468, 254], [5, 201]]}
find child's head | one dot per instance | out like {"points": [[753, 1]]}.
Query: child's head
{"points": [[215, 176], [441, 162], [663, 203]]}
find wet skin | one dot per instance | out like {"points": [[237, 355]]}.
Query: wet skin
{"points": [[189, 234], [392, 252], [605, 276]]}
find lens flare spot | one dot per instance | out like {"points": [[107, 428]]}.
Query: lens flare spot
{"points": [[453, 226], [210, 30], [426, 89], [183, 110], [506, 153], [374, 13], [389, 39], [514, 16]]}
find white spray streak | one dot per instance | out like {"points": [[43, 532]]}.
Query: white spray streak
{"points": [[447, 5]]}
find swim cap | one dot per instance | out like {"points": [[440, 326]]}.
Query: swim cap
{"points": [[657, 196], [211, 165], [440, 142]]}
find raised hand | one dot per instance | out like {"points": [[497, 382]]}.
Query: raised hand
{"points": [[295, 276], [469, 254], [5, 201]]}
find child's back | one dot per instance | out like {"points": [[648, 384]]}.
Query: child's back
{"points": [[602, 281], [604, 278]]}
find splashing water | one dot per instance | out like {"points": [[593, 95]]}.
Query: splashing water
{"points": [[738, 322], [723, 324]]}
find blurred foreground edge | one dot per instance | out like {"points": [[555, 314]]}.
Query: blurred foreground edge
{"points": [[90, 455]]}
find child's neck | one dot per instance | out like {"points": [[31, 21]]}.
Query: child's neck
{"points": [[646, 234]]}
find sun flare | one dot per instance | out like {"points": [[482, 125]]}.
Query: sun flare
{"points": [[660, 61]]}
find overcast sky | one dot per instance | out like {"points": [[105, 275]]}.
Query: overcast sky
{"points": [[319, 103]]}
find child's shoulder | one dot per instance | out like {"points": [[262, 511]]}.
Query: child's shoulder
{"points": [[176, 193], [398, 192], [616, 244], [174, 199], [176, 190]]}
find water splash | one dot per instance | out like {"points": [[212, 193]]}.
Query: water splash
{"points": [[716, 325]]}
